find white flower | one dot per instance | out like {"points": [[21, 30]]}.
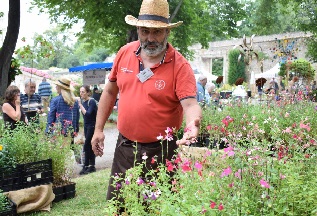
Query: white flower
{"points": [[144, 157], [160, 137]]}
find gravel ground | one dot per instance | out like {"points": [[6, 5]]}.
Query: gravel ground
{"points": [[111, 135]]}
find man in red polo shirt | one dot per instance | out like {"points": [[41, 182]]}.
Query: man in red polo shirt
{"points": [[156, 85]]}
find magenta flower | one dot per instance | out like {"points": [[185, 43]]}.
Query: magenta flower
{"points": [[226, 172], [186, 166], [220, 207], [264, 183], [139, 181], [212, 204], [238, 174], [198, 165], [169, 165]]}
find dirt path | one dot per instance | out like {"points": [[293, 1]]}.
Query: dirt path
{"points": [[111, 135]]}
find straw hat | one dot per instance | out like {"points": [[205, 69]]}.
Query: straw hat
{"points": [[153, 14], [64, 83]]}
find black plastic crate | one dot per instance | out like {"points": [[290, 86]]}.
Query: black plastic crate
{"points": [[11, 209], [26, 175], [36, 173], [10, 179]]}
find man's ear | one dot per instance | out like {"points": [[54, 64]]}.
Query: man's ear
{"points": [[168, 31]]}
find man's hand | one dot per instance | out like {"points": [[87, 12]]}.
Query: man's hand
{"points": [[190, 133], [97, 143]]}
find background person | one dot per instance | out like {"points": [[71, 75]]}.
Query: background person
{"points": [[200, 93], [64, 110], [96, 95], [31, 102], [163, 84], [89, 109], [45, 91], [11, 109]]}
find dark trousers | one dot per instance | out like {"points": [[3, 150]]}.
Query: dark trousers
{"points": [[90, 157], [124, 157]]}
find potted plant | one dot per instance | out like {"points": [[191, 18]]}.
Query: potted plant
{"points": [[39, 153], [7, 207], [225, 91]]}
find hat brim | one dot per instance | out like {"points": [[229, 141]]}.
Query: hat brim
{"points": [[61, 85], [131, 20]]}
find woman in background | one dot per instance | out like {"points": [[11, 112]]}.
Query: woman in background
{"points": [[64, 110], [88, 108], [11, 109]]}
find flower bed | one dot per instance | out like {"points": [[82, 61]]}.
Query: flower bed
{"points": [[268, 168]]}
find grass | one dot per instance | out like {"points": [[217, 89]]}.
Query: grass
{"points": [[90, 197]]}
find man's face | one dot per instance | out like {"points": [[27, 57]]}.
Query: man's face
{"points": [[153, 40], [30, 89], [203, 82]]}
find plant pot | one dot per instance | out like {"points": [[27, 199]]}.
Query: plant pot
{"points": [[225, 94], [202, 141], [65, 191], [249, 93], [220, 144], [10, 209]]}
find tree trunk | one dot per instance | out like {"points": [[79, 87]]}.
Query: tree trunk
{"points": [[9, 44]]}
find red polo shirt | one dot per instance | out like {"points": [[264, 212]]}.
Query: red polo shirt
{"points": [[147, 109]]}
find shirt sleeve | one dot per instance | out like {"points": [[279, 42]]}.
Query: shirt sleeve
{"points": [[92, 106], [185, 83], [51, 117]]}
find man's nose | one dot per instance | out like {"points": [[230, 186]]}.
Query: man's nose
{"points": [[151, 37]]}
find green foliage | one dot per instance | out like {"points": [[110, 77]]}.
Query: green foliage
{"points": [[203, 21], [3, 202], [217, 67], [40, 49], [312, 48], [253, 176], [14, 69], [282, 71], [302, 68], [236, 66], [16, 149]]}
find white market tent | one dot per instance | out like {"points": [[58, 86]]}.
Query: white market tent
{"points": [[271, 73]]}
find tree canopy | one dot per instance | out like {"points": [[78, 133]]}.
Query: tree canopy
{"points": [[204, 20]]}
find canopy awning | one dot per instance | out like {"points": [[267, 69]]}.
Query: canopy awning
{"points": [[107, 66]]}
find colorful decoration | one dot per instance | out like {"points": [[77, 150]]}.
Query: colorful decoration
{"points": [[285, 49]]}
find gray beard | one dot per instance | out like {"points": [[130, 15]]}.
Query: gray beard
{"points": [[153, 52]]}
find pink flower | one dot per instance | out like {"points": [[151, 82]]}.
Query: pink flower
{"points": [[169, 165], [208, 127], [186, 166], [226, 172], [220, 207], [139, 181], [238, 174], [264, 183], [198, 165], [286, 115], [153, 160], [287, 130], [282, 176], [304, 126], [212, 204], [203, 210]]}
